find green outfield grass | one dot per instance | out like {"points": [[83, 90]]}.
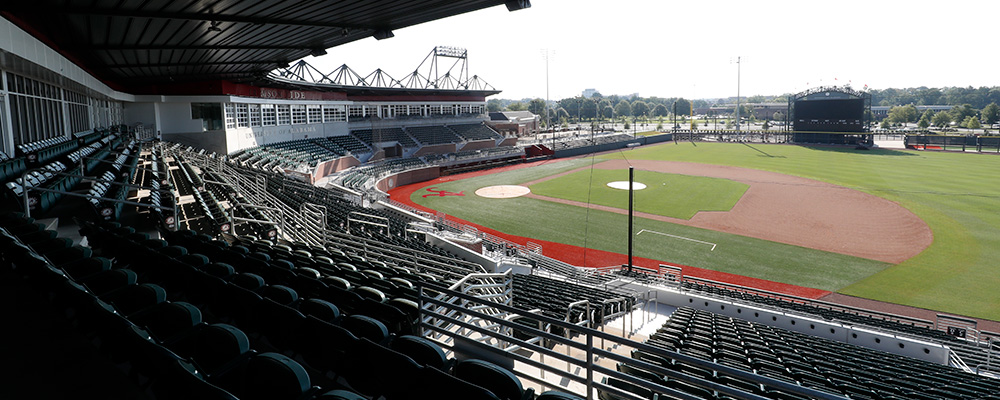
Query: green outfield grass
{"points": [[671, 195], [957, 195]]}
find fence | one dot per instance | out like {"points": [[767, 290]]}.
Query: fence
{"points": [[982, 144]]}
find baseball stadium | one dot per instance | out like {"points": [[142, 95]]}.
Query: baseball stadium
{"points": [[192, 211]]}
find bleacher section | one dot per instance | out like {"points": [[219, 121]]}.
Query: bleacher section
{"points": [[434, 134], [294, 154], [190, 325], [826, 365], [361, 176], [382, 135], [554, 297], [971, 354], [345, 142], [597, 140], [475, 132]]}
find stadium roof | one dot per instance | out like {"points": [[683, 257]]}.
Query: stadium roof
{"points": [[133, 43]]}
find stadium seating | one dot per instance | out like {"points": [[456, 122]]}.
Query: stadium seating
{"points": [[475, 131], [809, 361], [434, 134], [372, 137], [202, 314]]}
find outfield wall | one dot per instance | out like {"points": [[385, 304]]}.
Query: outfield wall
{"points": [[638, 141], [407, 177], [987, 144]]}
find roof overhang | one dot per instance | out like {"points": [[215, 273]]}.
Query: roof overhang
{"points": [[157, 42]]}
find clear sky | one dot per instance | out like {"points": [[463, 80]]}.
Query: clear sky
{"points": [[689, 48]]}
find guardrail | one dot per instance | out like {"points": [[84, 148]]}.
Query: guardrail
{"points": [[446, 315]]}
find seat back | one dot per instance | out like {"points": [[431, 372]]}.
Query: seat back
{"points": [[321, 309], [365, 327], [219, 348], [377, 370], [273, 376], [434, 383], [421, 350], [132, 299], [503, 383], [184, 381]]}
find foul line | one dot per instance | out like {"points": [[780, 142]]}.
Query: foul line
{"points": [[678, 237]]}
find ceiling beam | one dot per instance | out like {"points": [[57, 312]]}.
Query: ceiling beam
{"points": [[199, 47], [194, 64], [190, 16]]}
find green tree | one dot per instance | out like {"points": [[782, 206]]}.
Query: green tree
{"points": [[588, 108], [924, 122], [941, 119], [683, 107], [562, 114], [516, 106], [903, 114], [660, 111], [971, 123], [623, 108], [537, 107], [959, 113], [766, 125], [639, 108], [885, 124], [991, 113], [494, 105]]}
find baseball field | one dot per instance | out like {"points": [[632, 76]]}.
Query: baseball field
{"points": [[906, 227]]}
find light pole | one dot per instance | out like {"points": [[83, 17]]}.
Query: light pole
{"points": [[546, 54], [738, 97]]}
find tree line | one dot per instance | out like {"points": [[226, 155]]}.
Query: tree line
{"points": [[971, 106]]}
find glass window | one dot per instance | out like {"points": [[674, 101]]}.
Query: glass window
{"points": [[230, 116], [242, 116], [315, 113], [356, 112], [298, 114], [284, 115], [255, 115], [334, 114], [210, 115], [267, 114]]}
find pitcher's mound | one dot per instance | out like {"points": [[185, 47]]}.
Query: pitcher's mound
{"points": [[624, 185], [503, 191]]}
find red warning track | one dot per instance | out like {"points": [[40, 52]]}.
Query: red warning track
{"points": [[596, 258]]}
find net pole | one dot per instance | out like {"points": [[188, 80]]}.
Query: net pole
{"points": [[631, 178]]}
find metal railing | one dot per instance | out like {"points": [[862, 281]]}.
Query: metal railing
{"points": [[447, 317]]}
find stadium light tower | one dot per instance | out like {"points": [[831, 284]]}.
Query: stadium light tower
{"points": [[547, 54], [738, 97]]}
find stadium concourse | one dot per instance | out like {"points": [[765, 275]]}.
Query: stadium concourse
{"points": [[163, 236]]}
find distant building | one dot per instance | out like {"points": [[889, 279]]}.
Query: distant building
{"points": [[880, 112], [761, 111], [588, 93], [514, 123]]}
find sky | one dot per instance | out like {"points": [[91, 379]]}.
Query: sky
{"points": [[689, 48]]}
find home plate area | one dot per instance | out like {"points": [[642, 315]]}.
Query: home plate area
{"points": [[502, 191]]}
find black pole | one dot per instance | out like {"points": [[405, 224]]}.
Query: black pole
{"points": [[631, 178]]}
